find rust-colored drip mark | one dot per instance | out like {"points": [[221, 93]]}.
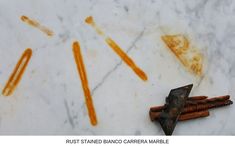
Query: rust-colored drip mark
{"points": [[82, 72], [90, 20], [118, 50], [17, 73], [189, 57], [36, 24]]}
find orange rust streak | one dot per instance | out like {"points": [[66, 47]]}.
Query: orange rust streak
{"points": [[17, 73], [82, 72], [118, 50], [126, 59], [36, 24]]}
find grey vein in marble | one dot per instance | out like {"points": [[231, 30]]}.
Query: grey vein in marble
{"points": [[117, 65]]}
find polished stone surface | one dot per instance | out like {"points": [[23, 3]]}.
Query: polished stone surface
{"points": [[49, 98]]}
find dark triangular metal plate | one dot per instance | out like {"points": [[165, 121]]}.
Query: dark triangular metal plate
{"points": [[174, 105]]}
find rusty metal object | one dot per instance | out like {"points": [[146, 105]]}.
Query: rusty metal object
{"points": [[198, 105], [180, 107], [174, 105], [183, 117]]}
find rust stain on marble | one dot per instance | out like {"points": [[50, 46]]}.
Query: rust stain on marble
{"points": [[90, 20], [17, 73], [36, 24], [117, 49], [82, 72], [126, 59], [191, 58]]}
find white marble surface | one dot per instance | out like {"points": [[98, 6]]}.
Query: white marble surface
{"points": [[49, 98]]}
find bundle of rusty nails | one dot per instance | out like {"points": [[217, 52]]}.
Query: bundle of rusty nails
{"points": [[195, 107]]}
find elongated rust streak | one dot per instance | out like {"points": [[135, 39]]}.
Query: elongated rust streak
{"points": [[89, 20], [126, 59], [17, 73], [36, 24], [82, 72]]}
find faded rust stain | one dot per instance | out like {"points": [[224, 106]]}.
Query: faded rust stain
{"points": [[82, 72], [90, 20], [191, 58], [17, 73], [36, 24], [118, 50]]}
